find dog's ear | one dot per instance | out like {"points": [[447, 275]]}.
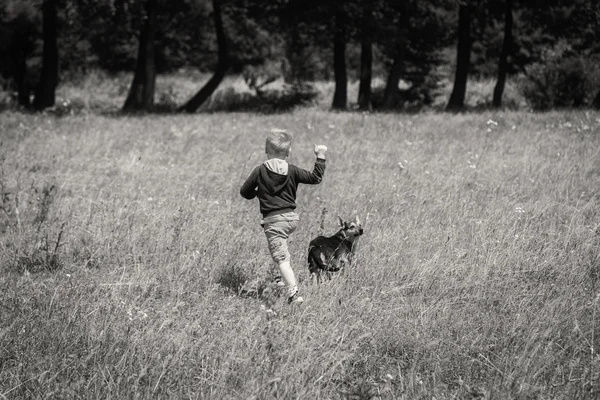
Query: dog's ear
{"points": [[342, 222], [357, 220]]}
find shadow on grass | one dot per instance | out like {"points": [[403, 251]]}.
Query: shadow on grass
{"points": [[240, 282]]}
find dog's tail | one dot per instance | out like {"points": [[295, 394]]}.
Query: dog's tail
{"points": [[322, 224]]}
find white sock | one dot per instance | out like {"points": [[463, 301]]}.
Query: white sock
{"points": [[288, 277]]}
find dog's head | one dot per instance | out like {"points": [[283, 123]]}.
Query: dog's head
{"points": [[351, 229]]}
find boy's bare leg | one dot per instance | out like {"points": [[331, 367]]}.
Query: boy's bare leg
{"points": [[289, 278]]}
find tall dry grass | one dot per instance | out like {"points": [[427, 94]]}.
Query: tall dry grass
{"points": [[125, 247]]}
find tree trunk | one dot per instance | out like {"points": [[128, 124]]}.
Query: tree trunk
{"points": [[19, 51], [222, 65], [391, 87], [141, 93], [463, 56], [366, 58], [340, 96], [23, 89], [45, 93], [596, 101], [506, 49]]}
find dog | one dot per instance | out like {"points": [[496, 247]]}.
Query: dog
{"points": [[333, 253]]}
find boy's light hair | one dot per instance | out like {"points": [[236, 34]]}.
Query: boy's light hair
{"points": [[279, 141]]}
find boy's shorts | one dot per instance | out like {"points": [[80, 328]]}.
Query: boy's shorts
{"points": [[277, 229]]}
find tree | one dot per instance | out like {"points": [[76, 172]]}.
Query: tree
{"points": [[141, 93], [366, 57], [340, 96], [463, 56], [596, 101], [20, 22], [222, 64], [393, 80], [412, 36], [506, 49], [45, 93]]}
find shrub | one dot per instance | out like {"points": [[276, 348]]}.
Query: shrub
{"points": [[561, 79], [272, 100]]}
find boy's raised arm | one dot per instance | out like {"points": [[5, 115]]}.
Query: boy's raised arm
{"points": [[314, 177], [248, 189]]}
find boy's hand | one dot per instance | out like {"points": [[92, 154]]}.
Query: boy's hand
{"points": [[320, 150]]}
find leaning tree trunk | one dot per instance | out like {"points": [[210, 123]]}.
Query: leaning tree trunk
{"points": [[45, 93], [366, 59], [222, 65], [340, 96], [141, 93], [506, 48], [457, 98]]}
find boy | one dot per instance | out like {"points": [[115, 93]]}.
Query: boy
{"points": [[275, 183]]}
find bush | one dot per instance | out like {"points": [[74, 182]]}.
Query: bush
{"points": [[277, 99], [561, 79]]}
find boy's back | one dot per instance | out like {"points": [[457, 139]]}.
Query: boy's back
{"points": [[275, 183]]}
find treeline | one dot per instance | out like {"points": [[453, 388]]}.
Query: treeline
{"points": [[552, 44]]}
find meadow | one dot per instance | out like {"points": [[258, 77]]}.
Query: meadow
{"points": [[132, 268]]}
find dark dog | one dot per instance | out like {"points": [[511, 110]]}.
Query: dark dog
{"points": [[331, 254]]}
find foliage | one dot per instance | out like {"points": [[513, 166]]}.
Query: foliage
{"points": [[424, 27], [296, 34], [19, 32], [562, 79]]}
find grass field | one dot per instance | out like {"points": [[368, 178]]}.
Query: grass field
{"points": [[126, 251]]}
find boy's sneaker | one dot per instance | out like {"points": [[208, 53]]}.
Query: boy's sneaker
{"points": [[279, 282], [295, 299]]}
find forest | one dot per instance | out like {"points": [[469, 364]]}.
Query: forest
{"points": [[550, 48]]}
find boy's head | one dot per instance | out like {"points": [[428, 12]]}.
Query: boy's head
{"points": [[279, 143]]}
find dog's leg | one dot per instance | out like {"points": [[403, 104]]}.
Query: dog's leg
{"points": [[318, 277]]}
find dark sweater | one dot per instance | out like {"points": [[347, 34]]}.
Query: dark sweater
{"points": [[277, 193]]}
